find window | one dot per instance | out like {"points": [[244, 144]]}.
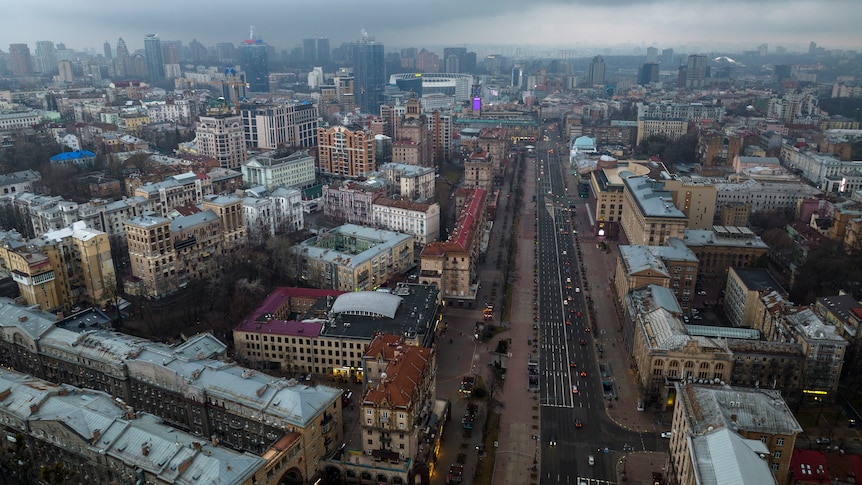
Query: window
{"points": [[777, 454], [779, 442]]}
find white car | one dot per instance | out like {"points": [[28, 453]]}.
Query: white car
{"points": [[591, 460], [577, 290], [666, 435]]}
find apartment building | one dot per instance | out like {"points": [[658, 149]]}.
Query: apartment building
{"points": [[352, 202], [62, 268], [175, 191], [222, 137], [696, 199], [730, 435], [166, 254], [409, 181], [267, 214], [672, 128], [275, 170], [399, 215], [451, 264], [479, 170], [742, 292], [354, 258], [185, 386], [18, 182], [345, 151], [649, 215], [65, 422]]}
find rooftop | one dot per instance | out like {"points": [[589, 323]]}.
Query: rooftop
{"points": [[651, 198], [723, 457], [756, 279], [737, 408], [724, 236]]}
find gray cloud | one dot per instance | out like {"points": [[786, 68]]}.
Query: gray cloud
{"points": [[400, 23]]}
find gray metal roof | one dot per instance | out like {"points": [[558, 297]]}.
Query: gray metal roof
{"points": [[651, 197], [367, 303], [722, 457]]}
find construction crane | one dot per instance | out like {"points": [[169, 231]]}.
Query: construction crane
{"points": [[234, 81]]}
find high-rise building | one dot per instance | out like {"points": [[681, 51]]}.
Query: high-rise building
{"points": [[64, 69], [309, 51], [254, 61], [226, 53], [648, 74], [46, 59], [122, 64], [323, 52], [667, 56], [347, 152], [596, 74], [155, 62], [22, 63], [223, 138], [106, 48], [652, 54], [695, 71], [369, 74]]}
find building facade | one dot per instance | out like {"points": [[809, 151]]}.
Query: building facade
{"points": [[222, 137], [346, 152]]}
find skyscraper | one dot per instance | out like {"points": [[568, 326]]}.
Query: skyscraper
{"points": [[695, 71], [46, 59], [323, 52], [648, 73], [597, 71], [22, 63], [123, 62], [309, 51], [254, 61], [369, 74], [106, 48], [155, 64]]}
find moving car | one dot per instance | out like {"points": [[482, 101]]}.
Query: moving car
{"points": [[591, 460], [666, 435], [583, 342], [574, 389], [578, 423], [583, 373], [553, 441]]}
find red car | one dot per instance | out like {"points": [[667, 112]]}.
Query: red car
{"points": [[568, 322], [583, 342], [579, 315], [583, 373]]}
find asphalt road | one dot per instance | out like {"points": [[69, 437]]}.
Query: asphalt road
{"points": [[571, 387]]}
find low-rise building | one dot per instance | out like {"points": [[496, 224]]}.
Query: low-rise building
{"points": [[352, 202], [354, 258], [18, 182], [479, 170], [673, 266], [606, 187], [267, 214], [743, 291], [175, 191]]}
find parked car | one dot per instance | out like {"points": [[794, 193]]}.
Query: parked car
{"points": [[823, 441], [666, 435]]}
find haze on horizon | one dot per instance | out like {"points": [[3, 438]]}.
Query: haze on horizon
{"points": [[702, 24]]}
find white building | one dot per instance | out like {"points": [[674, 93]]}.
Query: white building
{"points": [[272, 126], [13, 120], [763, 196], [18, 182], [170, 111], [815, 167], [222, 137], [294, 170], [411, 181], [269, 213], [420, 220]]}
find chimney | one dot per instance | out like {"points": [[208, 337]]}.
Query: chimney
{"points": [[733, 417], [145, 449], [34, 408], [214, 440], [196, 446], [22, 318], [96, 434]]}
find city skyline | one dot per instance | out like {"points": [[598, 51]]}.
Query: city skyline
{"points": [[700, 25]]}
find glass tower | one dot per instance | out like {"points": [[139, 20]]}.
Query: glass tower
{"points": [[155, 64], [369, 74], [253, 60]]}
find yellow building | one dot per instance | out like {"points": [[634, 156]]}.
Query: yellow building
{"points": [[607, 187], [649, 216], [673, 266], [133, 123], [695, 199], [63, 268], [720, 247]]}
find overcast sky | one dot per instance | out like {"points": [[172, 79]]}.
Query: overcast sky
{"points": [[697, 24]]}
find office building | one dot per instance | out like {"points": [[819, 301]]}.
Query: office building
{"points": [[422, 220], [272, 126], [223, 138], [648, 74], [155, 60], [20, 59], [596, 74], [45, 60], [122, 63], [673, 266], [316, 52], [106, 50], [695, 71], [254, 61], [369, 74], [720, 248]]}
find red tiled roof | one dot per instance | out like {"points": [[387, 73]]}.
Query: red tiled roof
{"points": [[404, 376], [805, 465]]}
